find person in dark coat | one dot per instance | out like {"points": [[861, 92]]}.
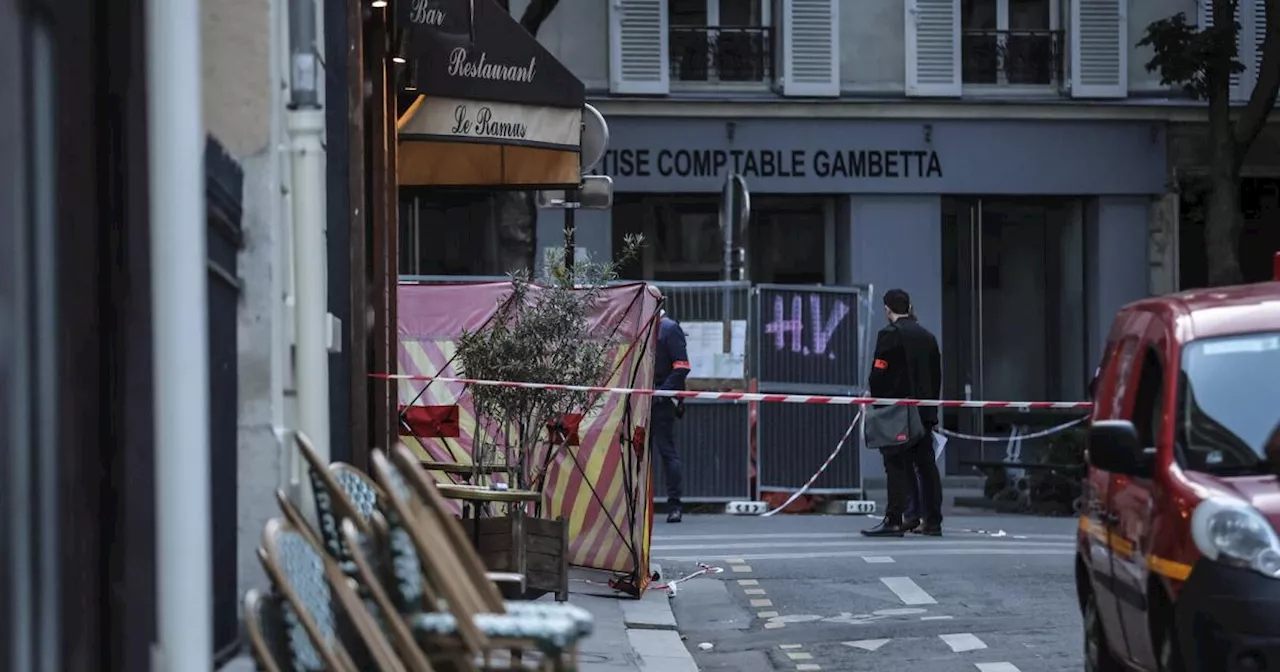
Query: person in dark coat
{"points": [[908, 365], [670, 368]]}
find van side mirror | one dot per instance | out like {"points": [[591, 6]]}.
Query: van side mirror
{"points": [[1114, 446]]}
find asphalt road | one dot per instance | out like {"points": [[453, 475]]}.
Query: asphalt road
{"points": [[995, 594]]}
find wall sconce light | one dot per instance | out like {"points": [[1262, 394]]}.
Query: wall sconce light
{"points": [[410, 75], [401, 47], [378, 4], [928, 133]]}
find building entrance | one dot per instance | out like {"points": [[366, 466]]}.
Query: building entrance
{"points": [[1013, 305]]}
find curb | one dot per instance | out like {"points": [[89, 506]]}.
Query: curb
{"points": [[651, 630]]}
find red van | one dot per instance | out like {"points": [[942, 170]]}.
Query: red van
{"points": [[1178, 554]]}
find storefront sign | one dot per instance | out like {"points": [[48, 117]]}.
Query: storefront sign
{"points": [[773, 163], [494, 59], [455, 119], [693, 155], [443, 17]]}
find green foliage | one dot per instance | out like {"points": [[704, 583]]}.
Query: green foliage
{"points": [[542, 334], [1188, 56]]}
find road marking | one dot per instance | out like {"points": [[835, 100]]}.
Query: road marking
{"points": [[877, 559], [808, 666], [734, 561], [764, 602], [801, 655], [748, 582], [1059, 550], [963, 641], [767, 614], [936, 618], [753, 591], [868, 644], [791, 646], [907, 590], [771, 625], [833, 535], [740, 568], [997, 667], [880, 545]]}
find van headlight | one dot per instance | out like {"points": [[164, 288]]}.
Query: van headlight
{"points": [[1234, 533]]}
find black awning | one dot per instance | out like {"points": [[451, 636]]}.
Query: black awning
{"points": [[473, 49]]}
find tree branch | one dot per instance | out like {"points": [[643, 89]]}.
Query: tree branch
{"points": [[1263, 98], [535, 13]]}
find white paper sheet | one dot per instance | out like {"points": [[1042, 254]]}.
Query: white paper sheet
{"points": [[705, 344]]}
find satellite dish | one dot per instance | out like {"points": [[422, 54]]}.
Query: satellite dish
{"points": [[595, 138]]}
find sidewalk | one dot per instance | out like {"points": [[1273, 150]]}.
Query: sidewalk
{"points": [[638, 635]]}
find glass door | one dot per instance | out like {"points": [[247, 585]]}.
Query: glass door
{"points": [[962, 311], [1013, 309]]}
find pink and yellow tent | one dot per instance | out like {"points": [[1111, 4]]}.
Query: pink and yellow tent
{"points": [[601, 486]]}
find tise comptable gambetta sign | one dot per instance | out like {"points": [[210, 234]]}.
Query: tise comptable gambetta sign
{"points": [[774, 163], [496, 108]]}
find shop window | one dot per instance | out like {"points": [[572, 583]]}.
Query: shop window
{"points": [[447, 233], [786, 239]]}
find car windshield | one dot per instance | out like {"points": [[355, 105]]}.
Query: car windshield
{"points": [[1228, 392]]}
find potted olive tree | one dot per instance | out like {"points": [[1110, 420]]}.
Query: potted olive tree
{"points": [[542, 332]]}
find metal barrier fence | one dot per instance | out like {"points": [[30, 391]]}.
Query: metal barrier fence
{"points": [[813, 340], [791, 339], [714, 441]]}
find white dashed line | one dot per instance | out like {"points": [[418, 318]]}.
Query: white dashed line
{"points": [[808, 666], [997, 667], [907, 590], [762, 602], [753, 591], [877, 559], [748, 582], [868, 644], [801, 655], [963, 641], [767, 614], [936, 618]]}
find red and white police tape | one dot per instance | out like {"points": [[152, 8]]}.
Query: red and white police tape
{"points": [[757, 396]]}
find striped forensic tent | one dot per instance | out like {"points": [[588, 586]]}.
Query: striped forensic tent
{"points": [[601, 485]]}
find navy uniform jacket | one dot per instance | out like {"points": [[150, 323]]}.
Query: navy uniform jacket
{"points": [[907, 365], [671, 363]]}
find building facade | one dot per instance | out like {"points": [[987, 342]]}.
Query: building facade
{"points": [[1007, 162]]}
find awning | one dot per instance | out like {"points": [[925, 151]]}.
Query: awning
{"points": [[496, 109]]}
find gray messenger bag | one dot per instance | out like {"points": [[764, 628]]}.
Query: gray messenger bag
{"points": [[892, 426]]}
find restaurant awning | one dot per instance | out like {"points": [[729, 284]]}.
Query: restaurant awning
{"points": [[495, 108]]}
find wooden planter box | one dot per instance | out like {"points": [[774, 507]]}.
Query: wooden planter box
{"points": [[538, 548]]}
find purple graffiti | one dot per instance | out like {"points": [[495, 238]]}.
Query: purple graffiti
{"points": [[781, 326], [822, 330], [821, 334]]}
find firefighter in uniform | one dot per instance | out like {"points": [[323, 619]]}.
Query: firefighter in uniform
{"points": [[670, 368]]}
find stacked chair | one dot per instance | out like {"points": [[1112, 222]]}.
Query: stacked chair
{"points": [[391, 582]]}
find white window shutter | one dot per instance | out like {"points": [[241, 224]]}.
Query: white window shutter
{"points": [[1099, 49], [1257, 32], [1240, 82], [811, 48], [933, 48], [638, 52]]}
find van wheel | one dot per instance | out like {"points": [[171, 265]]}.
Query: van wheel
{"points": [[1097, 652]]}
